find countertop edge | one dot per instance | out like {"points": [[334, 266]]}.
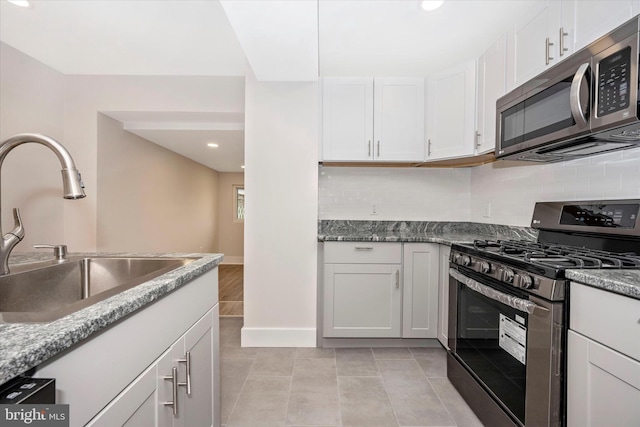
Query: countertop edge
{"points": [[622, 282], [26, 345]]}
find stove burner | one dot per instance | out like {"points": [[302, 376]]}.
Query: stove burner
{"points": [[559, 256]]}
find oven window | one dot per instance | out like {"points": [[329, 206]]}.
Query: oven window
{"points": [[491, 341]]}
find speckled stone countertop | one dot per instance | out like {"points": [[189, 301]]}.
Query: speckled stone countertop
{"points": [[418, 231], [623, 282], [25, 345]]}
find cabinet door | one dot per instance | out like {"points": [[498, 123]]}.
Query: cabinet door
{"points": [[362, 300], [603, 386], [443, 296], [585, 21], [347, 119], [134, 407], [451, 112], [420, 290], [198, 370], [491, 86], [399, 119], [529, 44]]}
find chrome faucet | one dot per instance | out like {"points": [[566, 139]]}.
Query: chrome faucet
{"points": [[71, 181]]}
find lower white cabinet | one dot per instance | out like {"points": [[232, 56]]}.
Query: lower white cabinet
{"points": [[443, 296], [380, 290], [603, 360], [420, 291], [119, 376]]}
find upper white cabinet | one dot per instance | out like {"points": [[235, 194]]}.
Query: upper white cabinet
{"points": [[585, 21], [558, 28], [534, 43], [367, 119], [451, 112], [492, 81]]}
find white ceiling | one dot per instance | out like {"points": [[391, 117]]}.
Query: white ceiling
{"points": [[276, 40]]}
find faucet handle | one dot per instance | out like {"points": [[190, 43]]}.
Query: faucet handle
{"points": [[59, 251], [18, 231]]}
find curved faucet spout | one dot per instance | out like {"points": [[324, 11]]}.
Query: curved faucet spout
{"points": [[73, 188]]}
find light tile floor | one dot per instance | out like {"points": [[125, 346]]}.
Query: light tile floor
{"points": [[335, 387]]}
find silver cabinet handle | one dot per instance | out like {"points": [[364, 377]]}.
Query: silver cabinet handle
{"points": [[562, 36], [369, 149], [397, 279], [429, 148], [547, 50], [187, 361], [478, 135], [378, 149], [364, 248], [174, 390]]}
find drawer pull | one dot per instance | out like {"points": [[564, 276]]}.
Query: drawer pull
{"points": [[364, 248], [174, 390], [397, 279]]}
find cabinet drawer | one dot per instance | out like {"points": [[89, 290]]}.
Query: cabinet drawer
{"points": [[606, 317], [362, 253]]}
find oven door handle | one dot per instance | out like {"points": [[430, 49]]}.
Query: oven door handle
{"points": [[501, 297]]}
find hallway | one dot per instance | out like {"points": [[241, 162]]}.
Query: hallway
{"points": [[230, 289]]}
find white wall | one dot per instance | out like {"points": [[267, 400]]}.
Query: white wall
{"points": [[281, 185], [512, 188], [85, 96], [151, 199], [411, 194], [32, 100]]}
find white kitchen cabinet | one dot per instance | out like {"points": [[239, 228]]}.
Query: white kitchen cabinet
{"points": [[534, 43], [443, 296], [134, 407], [603, 360], [451, 112], [420, 290], [362, 290], [491, 85], [193, 358], [367, 119], [558, 28], [586, 21], [123, 360]]}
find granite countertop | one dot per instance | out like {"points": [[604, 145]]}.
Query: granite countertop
{"points": [[418, 231], [25, 345], [623, 282]]}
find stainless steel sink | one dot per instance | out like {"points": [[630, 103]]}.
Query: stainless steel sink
{"points": [[47, 291]]}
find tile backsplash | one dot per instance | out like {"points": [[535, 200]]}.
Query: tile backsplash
{"points": [[502, 192]]}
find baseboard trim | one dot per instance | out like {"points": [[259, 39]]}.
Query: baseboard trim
{"points": [[228, 259], [278, 337]]}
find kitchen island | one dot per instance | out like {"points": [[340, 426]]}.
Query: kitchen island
{"points": [[105, 346]]}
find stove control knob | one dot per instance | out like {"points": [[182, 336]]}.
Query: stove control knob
{"points": [[485, 267], [508, 275], [456, 258], [466, 260], [526, 282]]}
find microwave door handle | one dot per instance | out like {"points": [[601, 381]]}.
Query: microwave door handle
{"points": [[577, 109]]}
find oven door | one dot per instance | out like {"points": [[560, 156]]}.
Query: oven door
{"points": [[511, 344]]}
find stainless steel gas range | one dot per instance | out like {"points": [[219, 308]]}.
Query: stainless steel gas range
{"points": [[508, 307]]}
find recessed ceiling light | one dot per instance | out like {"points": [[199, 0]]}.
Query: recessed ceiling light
{"points": [[212, 145], [429, 5], [21, 3], [242, 166]]}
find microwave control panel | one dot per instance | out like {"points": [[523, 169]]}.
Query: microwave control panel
{"points": [[613, 82]]}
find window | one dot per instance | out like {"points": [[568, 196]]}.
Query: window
{"points": [[238, 203]]}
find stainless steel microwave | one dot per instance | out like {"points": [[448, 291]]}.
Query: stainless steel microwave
{"points": [[585, 105]]}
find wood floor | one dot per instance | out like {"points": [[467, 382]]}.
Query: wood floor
{"points": [[231, 289]]}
